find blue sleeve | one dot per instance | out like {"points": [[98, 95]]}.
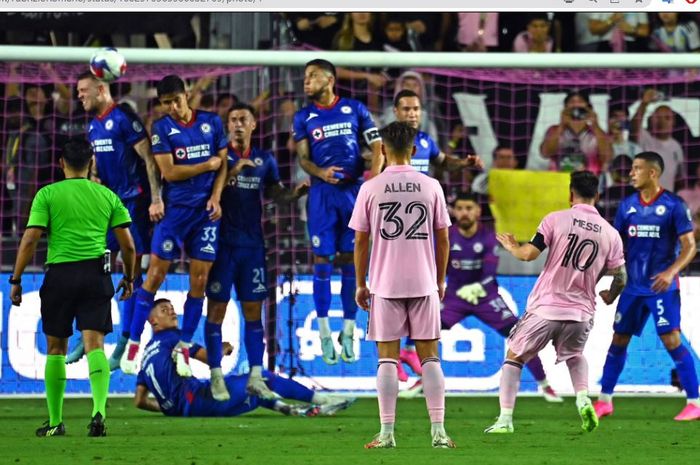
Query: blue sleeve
{"points": [[367, 127], [299, 126], [682, 218], [219, 134], [159, 139], [619, 222], [131, 128], [194, 348], [433, 150], [272, 174], [141, 378]]}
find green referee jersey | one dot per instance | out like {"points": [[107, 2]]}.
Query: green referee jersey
{"points": [[76, 214]]}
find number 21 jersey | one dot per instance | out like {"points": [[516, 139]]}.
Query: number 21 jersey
{"points": [[581, 244]]}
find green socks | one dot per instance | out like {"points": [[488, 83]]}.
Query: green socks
{"points": [[99, 380], [55, 382]]}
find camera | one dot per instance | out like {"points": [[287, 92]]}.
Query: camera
{"points": [[578, 113]]}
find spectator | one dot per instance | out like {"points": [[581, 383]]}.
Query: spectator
{"points": [[691, 195], [477, 32], [536, 38], [675, 34], [659, 138], [618, 189], [395, 35], [425, 31], [619, 131], [224, 102], [316, 29], [611, 32], [503, 159], [577, 142], [412, 80]]}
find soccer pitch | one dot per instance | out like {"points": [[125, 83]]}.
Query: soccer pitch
{"points": [[641, 431]]}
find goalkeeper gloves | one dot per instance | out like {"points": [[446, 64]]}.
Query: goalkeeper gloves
{"points": [[471, 292]]}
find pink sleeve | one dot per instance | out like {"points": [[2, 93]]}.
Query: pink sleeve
{"points": [[546, 228], [616, 257], [441, 217], [360, 213], [520, 44]]}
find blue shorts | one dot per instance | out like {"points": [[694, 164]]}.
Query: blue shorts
{"points": [[329, 211], [185, 227], [242, 267], [140, 225], [203, 404], [633, 311]]}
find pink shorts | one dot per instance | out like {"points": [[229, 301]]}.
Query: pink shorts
{"points": [[393, 319], [532, 333]]}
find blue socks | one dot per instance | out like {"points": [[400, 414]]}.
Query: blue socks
{"points": [[213, 341], [686, 370], [614, 363], [143, 303], [322, 288], [128, 307], [190, 321], [347, 291], [287, 388], [253, 339]]}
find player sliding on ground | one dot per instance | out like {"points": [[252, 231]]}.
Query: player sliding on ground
{"points": [[189, 397], [560, 308], [405, 213]]}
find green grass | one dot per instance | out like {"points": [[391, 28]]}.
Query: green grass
{"points": [[641, 431]]}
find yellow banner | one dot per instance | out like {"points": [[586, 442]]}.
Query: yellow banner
{"points": [[520, 199]]}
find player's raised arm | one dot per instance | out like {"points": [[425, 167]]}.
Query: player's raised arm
{"points": [[525, 252], [156, 210]]}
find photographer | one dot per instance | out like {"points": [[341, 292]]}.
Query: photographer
{"points": [[577, 142]]}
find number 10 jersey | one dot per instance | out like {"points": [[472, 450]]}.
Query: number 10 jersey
{"points": [[581, 244]]}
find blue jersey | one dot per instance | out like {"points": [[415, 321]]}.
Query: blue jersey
{"points": [[113, 136], [159, 375], [241, 203], [426, 152], [334, 134], [189, 144], [650, 234]]}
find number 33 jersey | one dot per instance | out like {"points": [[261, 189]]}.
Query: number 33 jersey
{"points": [[401, 209], [581, 245]]}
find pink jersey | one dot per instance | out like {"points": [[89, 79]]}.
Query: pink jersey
{"points": [[581, 244], [401, 208]]}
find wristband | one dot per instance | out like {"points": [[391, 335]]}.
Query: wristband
{"points": [[15, 282], [128, 280]]}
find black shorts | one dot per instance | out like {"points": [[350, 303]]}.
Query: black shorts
{"points": [[76, 290]]}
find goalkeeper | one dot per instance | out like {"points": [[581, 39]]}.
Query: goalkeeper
{"points": [[471, 281]]}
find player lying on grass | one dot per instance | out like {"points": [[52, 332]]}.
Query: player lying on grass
{"points": [[189, 397]]}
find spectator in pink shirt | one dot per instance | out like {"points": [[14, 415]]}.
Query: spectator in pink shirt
{"points": [[536, 38], [477, 32]]}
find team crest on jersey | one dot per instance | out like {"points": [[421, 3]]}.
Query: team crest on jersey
{"points": [[109, 124], [206, 129], [180, 153], [660, 210], [346, 109], [258, 161], [632, 230], [478, 247], [167, 245], [155, 139], [315, 241], [136, 126], [618, 317], [317, 134], [215, 287], [424, 143]]}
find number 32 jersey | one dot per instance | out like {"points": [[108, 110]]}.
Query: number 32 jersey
{"points": [[401, 209], [581, 244]]}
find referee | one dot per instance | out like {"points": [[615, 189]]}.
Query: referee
{"points": [[76, 214]]}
